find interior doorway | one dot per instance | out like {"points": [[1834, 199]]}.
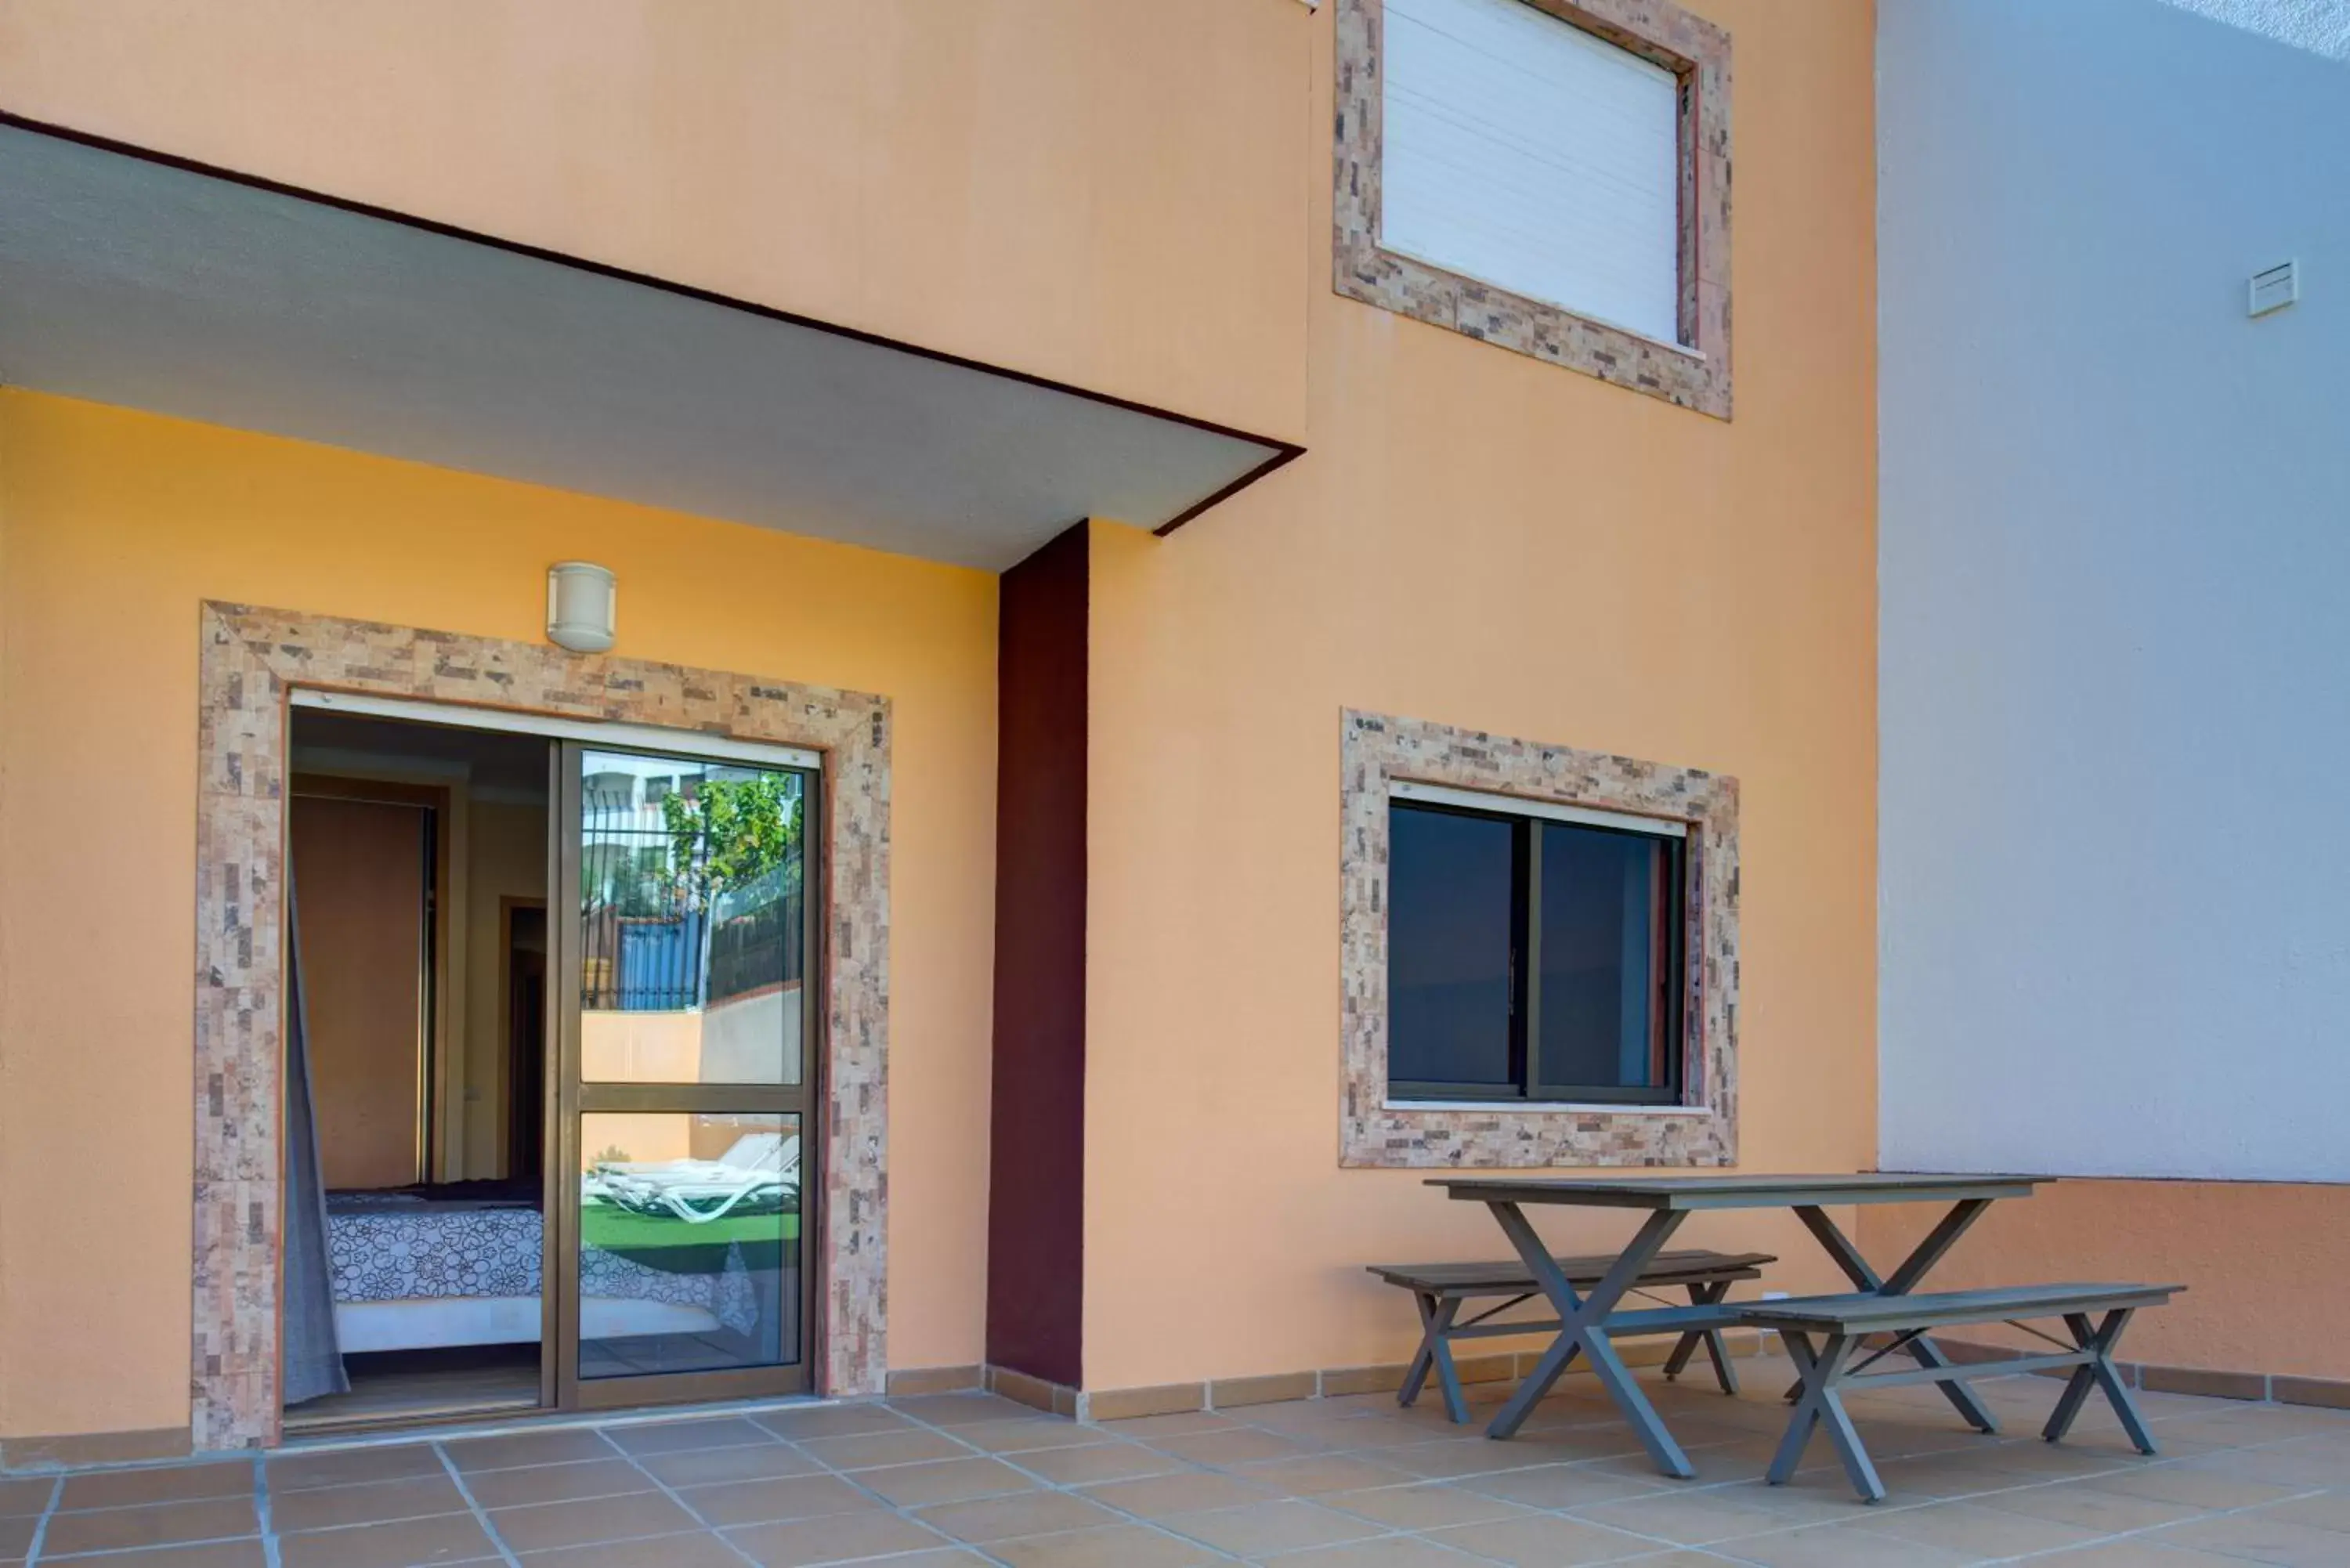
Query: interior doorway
{"points": [[409, 846], [551, 1011]]}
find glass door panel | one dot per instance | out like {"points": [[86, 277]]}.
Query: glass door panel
{"points": [[684, 1105], [692, 888], [689, 1243]]}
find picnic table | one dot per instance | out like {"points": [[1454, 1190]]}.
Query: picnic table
{"points": [[1585, 1321]]}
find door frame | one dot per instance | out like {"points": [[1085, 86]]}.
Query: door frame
{"points": [[568, 1098], [253, 665], [508, 905]]}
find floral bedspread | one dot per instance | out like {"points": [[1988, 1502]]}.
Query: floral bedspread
{"points": [[393, 1247]]}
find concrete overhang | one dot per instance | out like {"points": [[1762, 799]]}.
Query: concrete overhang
{"points": [[134, 278]]}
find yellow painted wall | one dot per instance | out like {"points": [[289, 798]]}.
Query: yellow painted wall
{"points": [[1480, 539], [115, 525]]}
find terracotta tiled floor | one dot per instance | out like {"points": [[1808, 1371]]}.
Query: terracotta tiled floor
{"points": [[966, 1479]]}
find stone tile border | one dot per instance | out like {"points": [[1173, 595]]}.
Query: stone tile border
{"points": [[1696, 375], [1376, 751], [250, 660]]}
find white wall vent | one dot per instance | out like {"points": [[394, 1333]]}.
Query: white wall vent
{"points": [[1526, 153], [2273, 289]]}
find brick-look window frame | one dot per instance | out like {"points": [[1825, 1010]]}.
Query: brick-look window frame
{"points": [[1695, 373], [1378, 752]]}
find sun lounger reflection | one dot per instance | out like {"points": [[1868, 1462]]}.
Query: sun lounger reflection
{"points": [[760, 1175]]}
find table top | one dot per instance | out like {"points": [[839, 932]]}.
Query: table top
{"points": [[1736, 1190]]}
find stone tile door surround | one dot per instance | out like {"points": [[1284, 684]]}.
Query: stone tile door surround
{"points": [[251, 661]]}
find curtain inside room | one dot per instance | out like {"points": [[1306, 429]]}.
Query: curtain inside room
{"points": [[313, 1359]]}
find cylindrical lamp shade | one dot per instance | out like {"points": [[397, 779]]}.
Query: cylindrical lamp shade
{"points": [[581, 603]]}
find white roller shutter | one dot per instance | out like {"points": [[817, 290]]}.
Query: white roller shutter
{"points": [[1525, 152]]}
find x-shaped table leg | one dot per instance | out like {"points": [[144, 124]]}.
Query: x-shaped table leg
{"points": [[1820, 1405], [1903, 1280], [1715, 1350], [1436, 1317], [2098, 1374], [1580, 1332]]}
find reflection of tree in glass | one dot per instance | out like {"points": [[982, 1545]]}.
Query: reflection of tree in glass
{"points": [[613, 1154], [728, 835], [734, 861]]}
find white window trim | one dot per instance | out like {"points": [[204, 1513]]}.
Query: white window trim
{"points": [[1521, 806], [695, 744]]}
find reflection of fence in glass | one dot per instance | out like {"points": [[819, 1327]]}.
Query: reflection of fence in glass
{"points": [[690, 888]]}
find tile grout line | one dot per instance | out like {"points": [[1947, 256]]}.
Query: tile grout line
{"points": [[481, 1515], [1653, 1546], [1722, 1548], [2145, 1529], [898, 1509], [1085, 1434], [41, 1525], [270, 1554], [1383, 1531], [1152, 1526], [708, 1528]]}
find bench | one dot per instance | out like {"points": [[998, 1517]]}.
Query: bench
{"points": [[1443, 1289], [1845, 1325]]}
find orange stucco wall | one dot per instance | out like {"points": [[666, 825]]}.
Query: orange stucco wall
{"points": [[1098, 193], [2262, 1263], [1480, 539], [113, 527], [1107, 193]]}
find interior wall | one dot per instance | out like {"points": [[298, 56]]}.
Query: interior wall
{"points": [[116, 526], [359, 874], [2112, 559], [1480, 539], [508, 862]]}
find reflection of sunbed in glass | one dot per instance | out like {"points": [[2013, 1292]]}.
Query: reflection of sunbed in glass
{"points": [[760, 1175]]}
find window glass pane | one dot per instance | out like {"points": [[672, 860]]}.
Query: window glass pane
{"points": [[692, 888], [1449, 925], [1605, 897], [689, 1243]]}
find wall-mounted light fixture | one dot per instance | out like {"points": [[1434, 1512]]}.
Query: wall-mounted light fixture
{"points": [[581, 600]]}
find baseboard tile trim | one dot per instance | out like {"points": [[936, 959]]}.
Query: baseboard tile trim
{"points": [[2205, 1382], [73, 1451], [1282, 1387], [913, 1381]]}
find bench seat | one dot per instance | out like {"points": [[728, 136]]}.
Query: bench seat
{"points": [[1844, 1326], [1443, 1289]]}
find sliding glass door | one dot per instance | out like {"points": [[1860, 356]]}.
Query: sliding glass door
{"points": [[683, 1129]]}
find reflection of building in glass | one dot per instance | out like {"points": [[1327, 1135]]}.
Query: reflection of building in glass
{"points": [[690, 883]]}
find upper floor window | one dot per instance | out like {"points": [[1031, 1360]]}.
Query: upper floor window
{"points": [[1526, 152], [1534, 952], [1549, 175]]}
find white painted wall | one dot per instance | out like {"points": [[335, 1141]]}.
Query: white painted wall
{"points": [[2115, 568]]}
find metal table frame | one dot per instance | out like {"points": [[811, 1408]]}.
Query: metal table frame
{"points": [[1586, 1321]]}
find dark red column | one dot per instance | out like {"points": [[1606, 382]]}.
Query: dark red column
{"points": [[1037, 1216]]}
